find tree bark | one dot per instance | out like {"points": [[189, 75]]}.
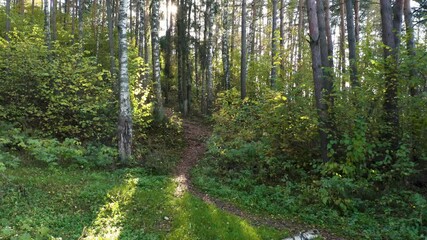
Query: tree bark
{"points": [[155, 45], [316, 57], [273, 74], [7, 19], [209, 56], [111, 43], [410, 43], [351, 44], [243, 62], [282, 38], [225, 49], [356, 20], [341, 63], [125, 115], [391, 19], [141, 38], [48, 36], [80, 19], [53, 20]]}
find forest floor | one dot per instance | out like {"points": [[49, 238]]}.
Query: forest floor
{"points": [[195, 134]]}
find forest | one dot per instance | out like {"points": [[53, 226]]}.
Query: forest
{"points": [[213, 119]]}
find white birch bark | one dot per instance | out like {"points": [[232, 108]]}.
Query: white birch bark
{"points": [[125, 115], [158, 108]]}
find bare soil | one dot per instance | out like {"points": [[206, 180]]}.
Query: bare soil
{"points": [[196, 134]]}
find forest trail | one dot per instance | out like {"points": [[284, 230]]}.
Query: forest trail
{"points": [[195, 135]]}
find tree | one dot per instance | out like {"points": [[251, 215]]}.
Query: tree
{"points": [[125, 111], [111, 39], [410, 42], [243, 63], [273, 74], [351, 44], [7, 19], [209, 55], [391, 22], [155, 45], [318, 75], [225, 47], [48, 35]]}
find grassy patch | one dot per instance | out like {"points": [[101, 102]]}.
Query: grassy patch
{"points": [[126, 204], [396, 214]]}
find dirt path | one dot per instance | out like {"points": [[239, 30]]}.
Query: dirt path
{"points": [[196, 134]]}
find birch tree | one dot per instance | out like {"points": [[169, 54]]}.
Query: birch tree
{"points": [[155, 45], [225, 47], [125, 115], [243, 63], [48, 36], [273, 74], [209, 56], [111, 38]]}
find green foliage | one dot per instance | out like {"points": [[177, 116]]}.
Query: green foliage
{"points": [[126, 204], [62, 92]]}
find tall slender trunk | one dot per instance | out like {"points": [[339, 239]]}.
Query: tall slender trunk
{"points": [[53, 20], [48, 36], [80, 19], [155, 45], [7, 19], [233, 32], [356, 20], [225, 50], [315, 45], [391, 19], [351, 44], [125, 115], [131, 20], [273, 74], [300, 31], [282, 38], [243, 62], [341, 62], [22, 7], [111, 41], [410, 43], [209, 56], [141, 38]]}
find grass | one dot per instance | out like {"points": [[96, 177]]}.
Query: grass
{"points": [[55, 203], [397, 214]]}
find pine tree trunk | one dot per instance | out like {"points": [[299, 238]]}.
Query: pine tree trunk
{"points": [[356, 20], [243, 55], [316, 57], [155, 44], [300, 31], [391, 19], [410, 43], [125, 115], [209, 56], [351, 44], [53, 20], [282, 38], [225, 50], [141, 38], [273, 74]]}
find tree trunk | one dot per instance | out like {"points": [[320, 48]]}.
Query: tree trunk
{"points": [[80, 14], [125, 115], [53, 20], [341, 63], [282, 38], [7, 19], [356, 20], [48, 36], [155, 44], [141, 38], [111, 43], [225, 50], [243, 55], [209, 56], [273, 74], [22, 7], [351, 44], [391, 19], [300, 31], [410, 43], [316, 57]]}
